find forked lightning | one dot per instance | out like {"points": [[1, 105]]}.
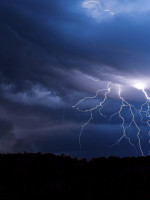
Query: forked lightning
{"points": [[124, 104]]}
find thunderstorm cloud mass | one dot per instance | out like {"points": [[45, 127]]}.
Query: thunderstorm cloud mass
{"points": [[75, 77]]}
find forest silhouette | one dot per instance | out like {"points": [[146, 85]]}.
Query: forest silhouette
{"points": [[47, 176]]}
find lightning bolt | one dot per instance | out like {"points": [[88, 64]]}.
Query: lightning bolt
{"points": [[90, 111], [93, 79], [124, 104], [131, 108], [99, 5], [147, 112], [133, 121]]}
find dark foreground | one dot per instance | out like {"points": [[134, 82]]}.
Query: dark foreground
{"points": [[32, 176]]}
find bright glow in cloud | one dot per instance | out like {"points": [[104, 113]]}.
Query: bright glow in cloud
{"points": [[139, 86], [99, 8], [96, 9]]}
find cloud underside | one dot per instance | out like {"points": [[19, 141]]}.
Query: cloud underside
{"points": [[49, 48]]}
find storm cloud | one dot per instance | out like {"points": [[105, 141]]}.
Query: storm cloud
{"points": [[48, 48]]}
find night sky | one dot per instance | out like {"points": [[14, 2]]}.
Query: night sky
{"points": [[53, 53]]}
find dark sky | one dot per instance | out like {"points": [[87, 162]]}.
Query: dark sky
{"points": [[48, 52]]}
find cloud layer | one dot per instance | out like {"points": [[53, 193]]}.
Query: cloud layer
{"points": [[48, 48]]}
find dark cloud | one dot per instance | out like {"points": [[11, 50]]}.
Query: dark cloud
{"points": [[47, 50], [8, 141], [42, 41]]}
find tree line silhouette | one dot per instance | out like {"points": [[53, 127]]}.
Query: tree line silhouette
{"points": [[47, 176]]}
